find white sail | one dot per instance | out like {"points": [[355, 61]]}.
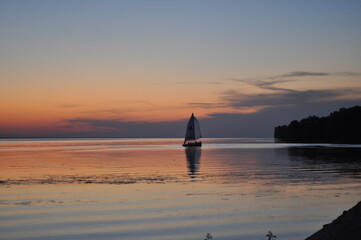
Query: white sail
{"points": [[197, 129], [193, 131]]}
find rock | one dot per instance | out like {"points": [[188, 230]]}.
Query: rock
{"points": [[347, 226]]}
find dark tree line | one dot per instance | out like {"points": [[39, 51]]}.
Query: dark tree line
{"points": [[343, 126]]}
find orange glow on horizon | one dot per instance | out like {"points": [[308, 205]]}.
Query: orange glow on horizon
{"points": [[56, 105], [49, 107], [55, 121]]}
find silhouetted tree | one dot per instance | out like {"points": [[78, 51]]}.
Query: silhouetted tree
{"points": [[343, 126]]}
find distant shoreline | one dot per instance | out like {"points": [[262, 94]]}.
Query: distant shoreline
{"points": [[339, 127]]}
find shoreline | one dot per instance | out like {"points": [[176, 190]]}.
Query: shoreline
{"points": [[346, 226]]}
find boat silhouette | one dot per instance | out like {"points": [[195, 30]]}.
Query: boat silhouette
{"points": [[193, 133]]}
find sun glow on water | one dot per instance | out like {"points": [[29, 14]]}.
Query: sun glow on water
{"points": [[156, 189]]}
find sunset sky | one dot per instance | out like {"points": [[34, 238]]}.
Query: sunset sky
{"points": [[83, 68]]}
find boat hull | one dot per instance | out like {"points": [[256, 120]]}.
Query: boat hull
{"points": [[192, 144]]}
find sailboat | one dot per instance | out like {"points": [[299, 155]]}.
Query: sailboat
{"points": [[193, 133]]}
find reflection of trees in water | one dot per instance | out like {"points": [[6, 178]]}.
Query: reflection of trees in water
{"points": [[193, 155], [341, 160]]}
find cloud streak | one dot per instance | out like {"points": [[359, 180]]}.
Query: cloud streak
{"points": [[302, 74], [91, 127], [286, 98], [269, 82], [277, 97], [206, 104], [313, 74]]}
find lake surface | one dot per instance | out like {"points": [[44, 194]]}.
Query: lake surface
{"points": [[156, 189]]}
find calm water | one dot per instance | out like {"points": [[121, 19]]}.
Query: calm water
{"points": [[155, 189]]}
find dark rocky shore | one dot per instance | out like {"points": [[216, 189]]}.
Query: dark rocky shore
{"points": [[345, 227]]}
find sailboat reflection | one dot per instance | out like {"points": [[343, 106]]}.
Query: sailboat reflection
{"points": [[193, 155]]}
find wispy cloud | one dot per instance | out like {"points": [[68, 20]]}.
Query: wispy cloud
{"points": [[302, 74], [272, 95], [286, 98], [88, 124], [294, 76], [313, 74], [266, 84], [206, 104], [120, 128], [348, 74], [269, 82], [278, 96], [299, 74]]}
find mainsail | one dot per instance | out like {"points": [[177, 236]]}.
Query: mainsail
{"points": [[193, 131]]}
